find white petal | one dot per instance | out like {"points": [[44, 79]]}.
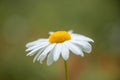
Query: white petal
{"points": [[33, 52], [36, 42], [42, 44], [81, 37], [36, 49], [74, 48], [84, 45], [37, 55], [50, 58], [65, 52], [45, 52], [51, 32], [70, 31], [57, 51]]}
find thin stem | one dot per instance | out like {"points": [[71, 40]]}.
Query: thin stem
{"points": [[66, 70]]}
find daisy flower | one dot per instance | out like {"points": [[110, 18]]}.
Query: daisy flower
{"points": [[59, 43]]}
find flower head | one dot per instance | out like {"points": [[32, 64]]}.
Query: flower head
{"points": [[59, 43]]}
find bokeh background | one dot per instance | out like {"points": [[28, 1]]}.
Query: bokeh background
{"points": [[22, 21]]}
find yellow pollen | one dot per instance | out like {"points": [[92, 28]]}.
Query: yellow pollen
{"points": [[59, 36]]}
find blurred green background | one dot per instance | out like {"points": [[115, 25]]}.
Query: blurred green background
{"points": [[22, 21]]}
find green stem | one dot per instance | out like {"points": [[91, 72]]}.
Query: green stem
{"points": [[66, 70]]}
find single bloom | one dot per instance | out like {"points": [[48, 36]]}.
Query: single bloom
{"points": [[59, 43]]}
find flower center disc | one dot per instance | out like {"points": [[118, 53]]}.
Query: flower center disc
{"points": [[59, 36]]}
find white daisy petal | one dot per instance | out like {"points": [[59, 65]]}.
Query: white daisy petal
{"points": [[36, 42], [74, 48], [50, 32], [40, 45], [57, 52], [45, 52], [65, 52], [84, 45], [50, 58], [70, 31], [81, 37], [35, 50], [37, 55]]}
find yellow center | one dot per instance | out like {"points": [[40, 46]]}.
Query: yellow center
{"points": [[59, 36]]}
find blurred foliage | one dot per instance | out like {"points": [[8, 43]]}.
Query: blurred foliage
{"points": [[22, 21]]}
